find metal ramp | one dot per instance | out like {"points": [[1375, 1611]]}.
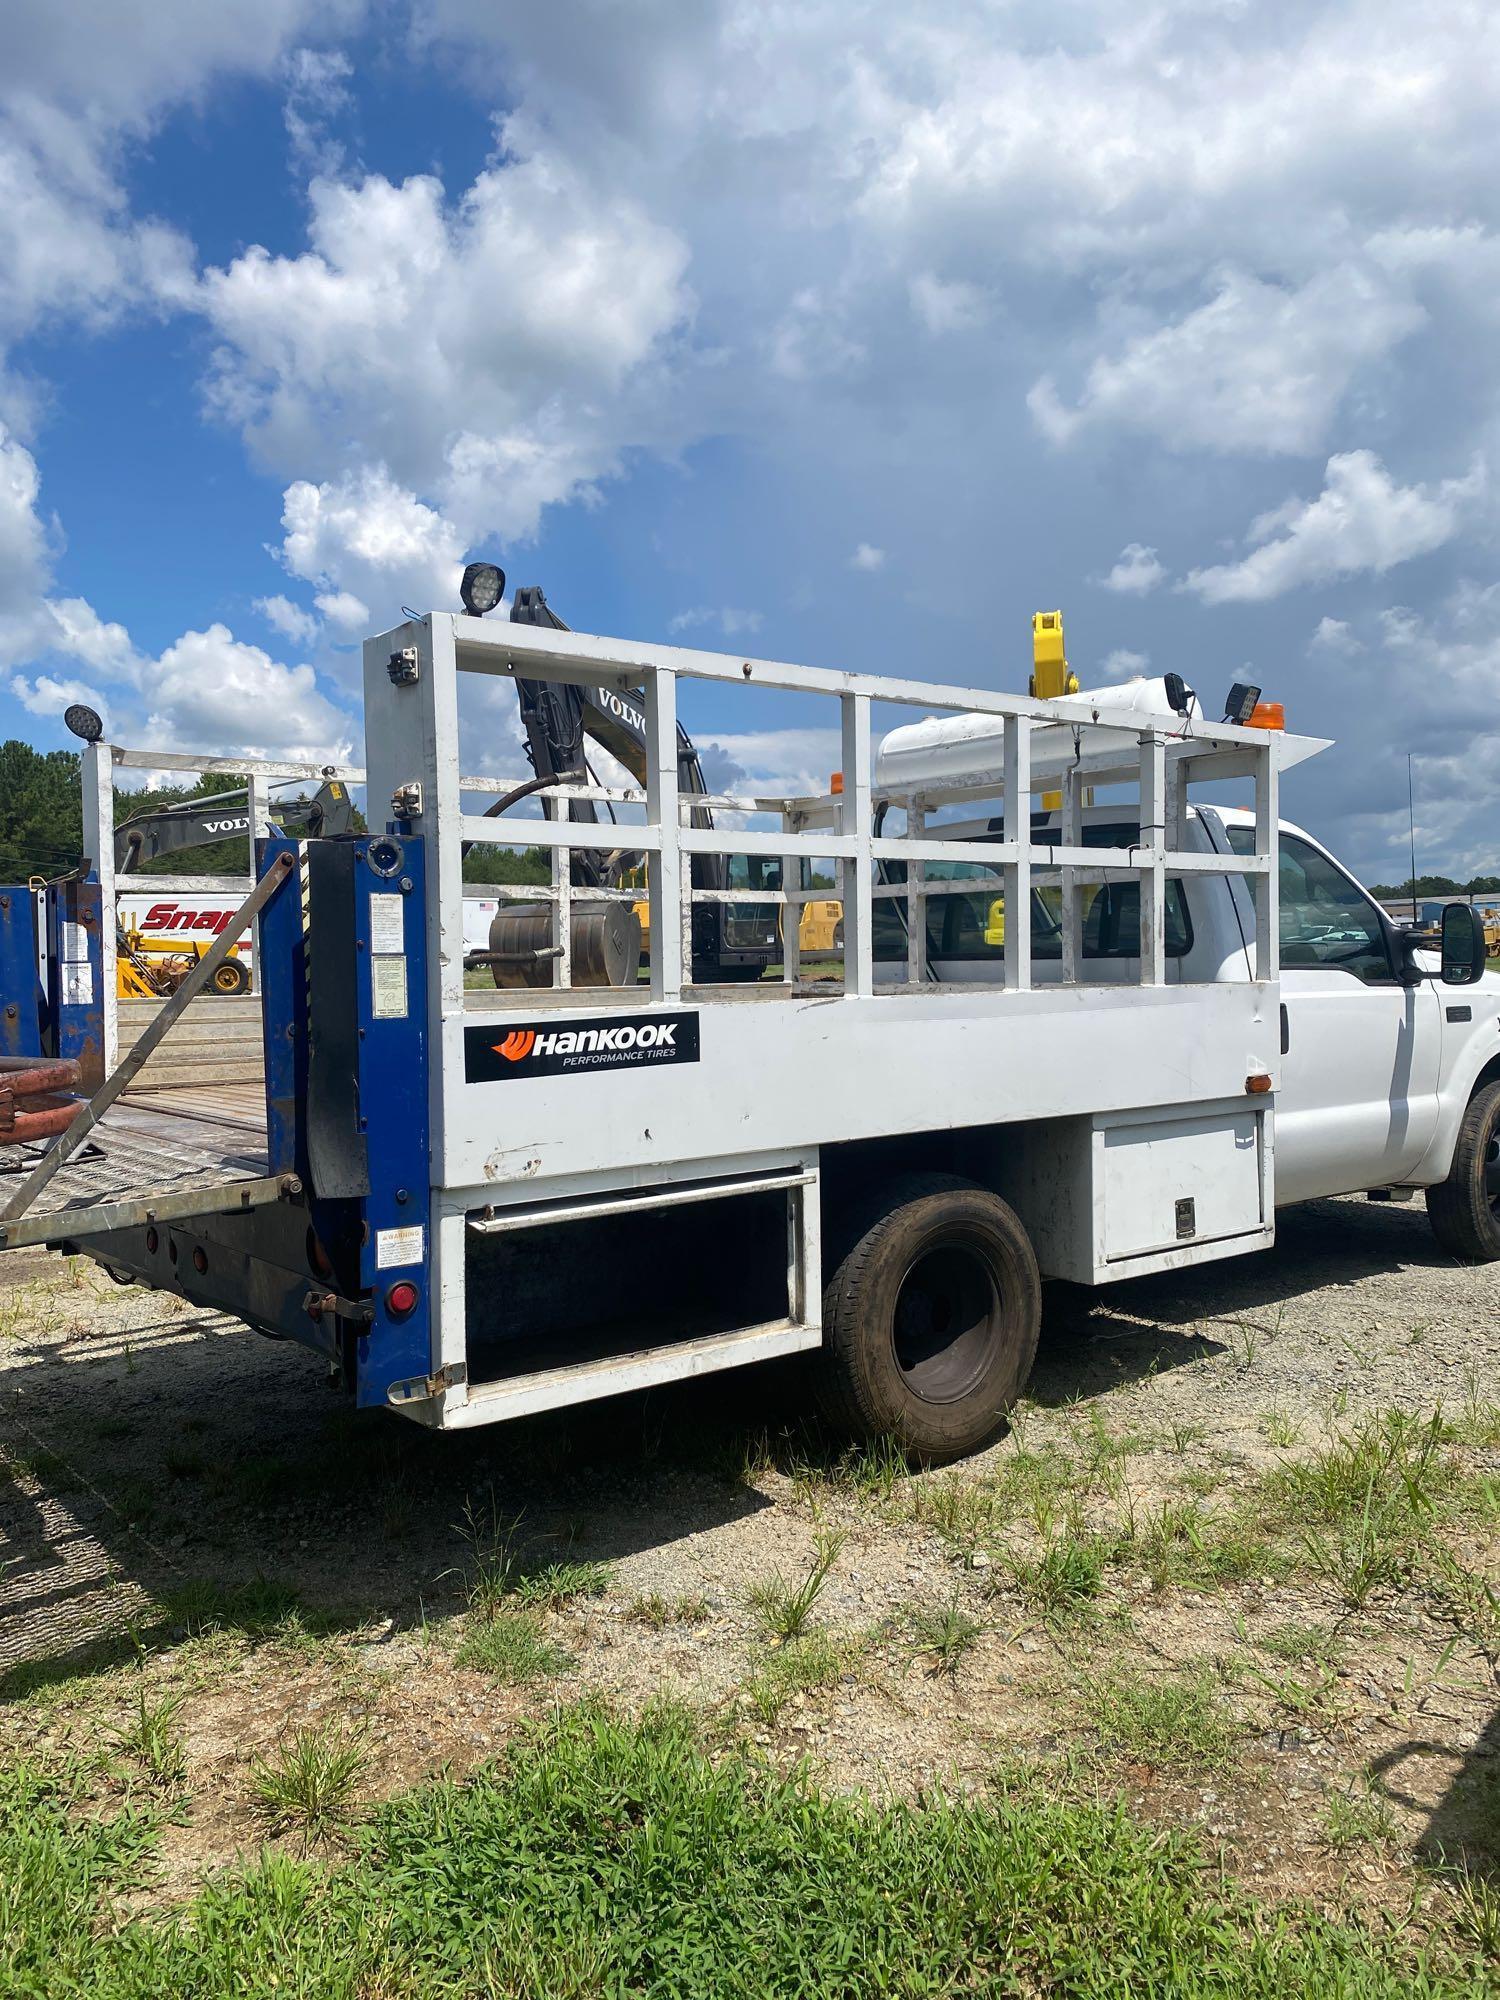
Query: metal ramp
{"points": [[192, 1164]]}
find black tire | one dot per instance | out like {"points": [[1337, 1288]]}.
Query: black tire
{"points": [[930, 1320], [1464, 1210], [738, 975], [231, 977]]}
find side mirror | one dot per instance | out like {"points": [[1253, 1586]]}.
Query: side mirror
{"points": [[1463, 945]]}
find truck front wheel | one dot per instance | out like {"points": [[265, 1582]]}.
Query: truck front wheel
{"points": [[930, 1321], [1465, 1209]]}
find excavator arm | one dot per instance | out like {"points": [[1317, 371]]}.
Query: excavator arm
{"points": [[200, 822], [729, 941]]}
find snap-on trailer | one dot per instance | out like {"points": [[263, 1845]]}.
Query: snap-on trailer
{"points": [[484, 1203]]}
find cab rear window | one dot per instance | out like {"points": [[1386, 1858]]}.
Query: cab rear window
{"points": [[972, 928]]}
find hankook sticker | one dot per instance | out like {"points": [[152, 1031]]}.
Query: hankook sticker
{"points": [[581, 1045]]}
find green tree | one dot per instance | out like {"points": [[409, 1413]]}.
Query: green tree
{"points": [[504, 865], [41, 811]]}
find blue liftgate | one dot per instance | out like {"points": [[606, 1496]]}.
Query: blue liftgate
{"points": [[344, 1264]]}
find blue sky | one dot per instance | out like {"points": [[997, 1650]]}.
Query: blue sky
{"points": [[843, 333]]}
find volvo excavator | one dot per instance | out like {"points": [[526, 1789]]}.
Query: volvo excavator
{"points": [[731, 941]]}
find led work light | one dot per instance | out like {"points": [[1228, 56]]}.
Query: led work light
{"points": [[482, 588]]}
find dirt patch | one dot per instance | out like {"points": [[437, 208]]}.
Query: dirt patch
{"points": [[1125, 1595]]}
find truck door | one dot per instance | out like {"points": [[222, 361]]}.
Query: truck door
{"points": [[1359, 1075]]}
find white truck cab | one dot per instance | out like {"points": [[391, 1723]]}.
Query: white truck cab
{"points": [[1390, 1079]]}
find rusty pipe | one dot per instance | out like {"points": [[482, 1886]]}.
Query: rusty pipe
{"points": [[35, 1098], [51, 1116]]}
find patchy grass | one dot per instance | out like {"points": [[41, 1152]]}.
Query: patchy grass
{"points": [[307, 1784], [1296, 1640], [1162, 1717], [1358, 1817], [1067, 1576], [1468, 1598], [965, 1513], [1309, 1694], [784, 1606], [560, 1584], [511, 1643], [1185, 1542], [817, 1661], [603, 1857], [1367, 1497], [657, 1612]]}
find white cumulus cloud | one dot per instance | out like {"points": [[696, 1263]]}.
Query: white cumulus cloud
{"points": [[1258, 369], [867, 558], [493, 352], [1361, 521], [1137, 570], [289, 619], [1336, 635], [364, 538], [211, 691]]}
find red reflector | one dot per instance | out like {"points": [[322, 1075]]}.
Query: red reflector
{"points": [[402, 1297], [200, 1260], [152, 1240]]}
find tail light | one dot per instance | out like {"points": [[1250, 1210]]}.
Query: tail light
{"points": [[401, 1298]]}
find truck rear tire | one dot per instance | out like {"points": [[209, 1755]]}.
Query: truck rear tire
{"points": [[1464, 1210], [930, 1321]]}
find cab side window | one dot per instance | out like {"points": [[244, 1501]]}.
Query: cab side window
{"points": [[1326, 919]]}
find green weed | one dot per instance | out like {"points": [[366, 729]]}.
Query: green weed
{"points": [[1187, 1543], [658, 1612], [1357, 1818], [816, 1661], [1468, 1598], [152, 1739], [307, 1783], [1295, 1641], [559, 1584], [1068, 1574], [783, 1606], [943, 1636]]}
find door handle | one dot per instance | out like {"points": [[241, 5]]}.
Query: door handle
{"points": [[1286, 1030]]}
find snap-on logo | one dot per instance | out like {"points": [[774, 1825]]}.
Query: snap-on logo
{"points": [[563, 1048]]}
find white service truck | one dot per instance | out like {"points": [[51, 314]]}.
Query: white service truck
{"points": [[1089, 1024]]}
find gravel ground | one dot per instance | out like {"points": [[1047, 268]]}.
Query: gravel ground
{"points": [[182, 1500]]}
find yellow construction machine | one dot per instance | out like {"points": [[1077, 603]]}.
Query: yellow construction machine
{"points": [[150, 968]]}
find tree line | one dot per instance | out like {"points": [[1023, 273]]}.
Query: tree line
{"points": [[1438, 885], [41, 823]]}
